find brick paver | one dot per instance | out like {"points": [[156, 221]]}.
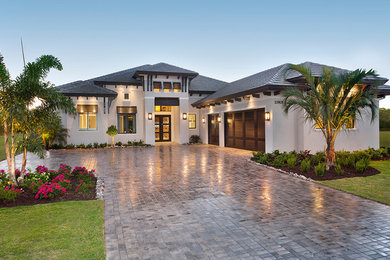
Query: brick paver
{"points": [[206, 202]]}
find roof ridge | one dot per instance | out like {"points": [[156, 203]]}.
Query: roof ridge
{"points": [[282, 67]]}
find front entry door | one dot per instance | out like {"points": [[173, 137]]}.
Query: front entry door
{"points": [[162, 128]]}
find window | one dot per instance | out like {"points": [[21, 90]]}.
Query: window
{"points": [[176, 87], [87, 121], [157, 86], [87, 116], [126, 123], [191, 121], [162, 108], [126, 96], [167, 86]]}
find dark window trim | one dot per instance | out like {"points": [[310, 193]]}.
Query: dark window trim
{"points": [[134, 119]]}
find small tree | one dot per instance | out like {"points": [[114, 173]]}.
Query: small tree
{"points": [[112, 131]]}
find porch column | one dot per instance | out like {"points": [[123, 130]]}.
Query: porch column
{"points": [[183, 125], [149, 124], [222, 130]]}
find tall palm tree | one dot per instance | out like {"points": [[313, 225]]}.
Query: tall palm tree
{"points": [[18, 109], [331, 102], [38, 97]]}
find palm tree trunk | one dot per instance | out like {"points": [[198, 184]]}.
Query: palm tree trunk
{"points": [[44, 142], [6, 144], [24, 162], [12, 168], [113, 144], [330, 153]]}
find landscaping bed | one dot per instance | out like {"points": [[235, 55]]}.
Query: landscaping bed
{"points": [[46, 186], [348, 164]]}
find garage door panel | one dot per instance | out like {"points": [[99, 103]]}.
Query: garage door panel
{"points": [[245, 129]]}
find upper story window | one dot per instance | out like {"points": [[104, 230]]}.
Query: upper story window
{"points": [[87, 117], [157, 86], [176, 86], [167, 86], [162, 108], [126, 96]]}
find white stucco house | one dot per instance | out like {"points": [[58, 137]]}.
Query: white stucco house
{"points": [[165, 103]]}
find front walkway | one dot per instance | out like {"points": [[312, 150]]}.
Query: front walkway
{"points": [[199, 201]]}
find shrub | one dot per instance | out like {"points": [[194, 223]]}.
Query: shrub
{"points": [[305, 165], [82, 173], [50, 191], [64, 183], [9, 193], [89, 146], [194, 139], [60, 146], [361, 165], [263, 159], [82, 146], [69, 146], [303, 154], [85, 186], [257, 155], [318, 158], [279, 161], [319, 170], [102, 145], [350, 161], [339, 170], [118, 144], [95, 145], [54, 146], [291, 162]]}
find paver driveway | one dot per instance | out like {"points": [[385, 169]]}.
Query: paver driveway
{"points": [[199, 201]]}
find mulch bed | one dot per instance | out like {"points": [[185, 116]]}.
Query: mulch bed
{"points": [[27, 197], [331, 174]]}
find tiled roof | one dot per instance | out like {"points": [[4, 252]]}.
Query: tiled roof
{"points": [[85, 88], [165, 68], [205, 84], [121, 77], [276, 78], [270, 77]]}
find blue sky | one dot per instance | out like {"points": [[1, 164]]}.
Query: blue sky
{"points": [[226, 40]]}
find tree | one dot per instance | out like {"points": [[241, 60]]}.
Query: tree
{"points": [[112, 131], [27, 101], [51, 130], [331, 102]]}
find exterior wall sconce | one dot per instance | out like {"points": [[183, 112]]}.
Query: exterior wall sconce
{"points": [[267, 116], [203, 120], [150, 116], [184, 116], [219, 119]]}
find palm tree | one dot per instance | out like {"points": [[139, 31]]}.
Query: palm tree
{"points": [[19, 109], [38, 97], [331, 102], [51, 131]]}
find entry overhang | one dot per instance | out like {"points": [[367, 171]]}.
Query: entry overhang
{"points": [[166, 102]]}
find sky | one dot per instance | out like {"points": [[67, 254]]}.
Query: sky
{"points": [[226, 40]]}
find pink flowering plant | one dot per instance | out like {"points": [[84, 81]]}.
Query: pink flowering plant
{"points": [[9, 193], [49, 184], [81, 173], [50, 191]]}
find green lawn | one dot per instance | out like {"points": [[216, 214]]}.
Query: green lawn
{"points": [[376, 187], [64, 230], [384, 138]]}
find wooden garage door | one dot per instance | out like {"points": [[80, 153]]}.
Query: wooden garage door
{"points": [[245, 129], [213, 129]]}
